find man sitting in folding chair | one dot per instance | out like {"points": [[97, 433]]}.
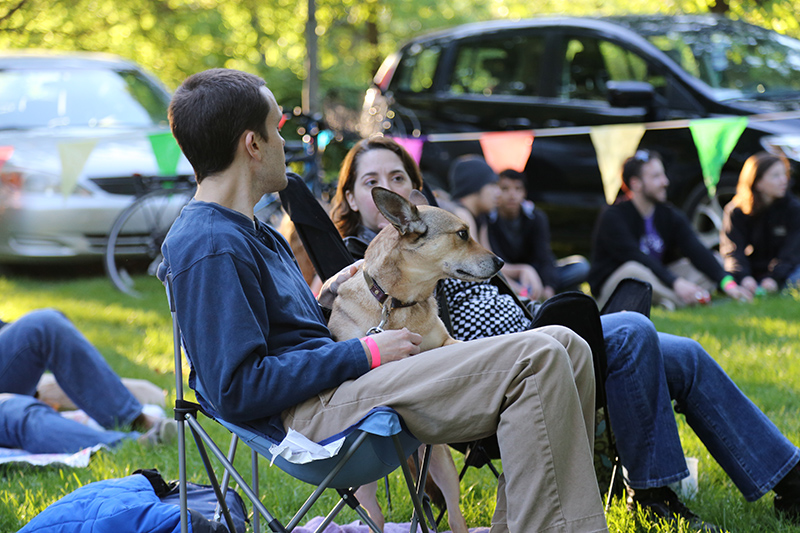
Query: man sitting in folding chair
{"points": [[262, 354]]}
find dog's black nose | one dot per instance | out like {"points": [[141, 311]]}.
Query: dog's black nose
{"points": [[498, 263]]}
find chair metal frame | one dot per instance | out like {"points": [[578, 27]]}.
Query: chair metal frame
{"points": [[186, 413]]}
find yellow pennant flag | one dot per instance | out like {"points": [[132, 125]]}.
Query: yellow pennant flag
{"points": [[73, 158], [613, 145]]}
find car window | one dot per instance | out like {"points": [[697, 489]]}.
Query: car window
{"points": [[755, 63], [508, 66], [95, 98], [591, 63], [417, 68]]}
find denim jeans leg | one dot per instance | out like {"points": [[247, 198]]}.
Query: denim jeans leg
{"points": [[746, 444], [47, 340], [572, 271], [36, 428], [639, 405], [793, 279]]}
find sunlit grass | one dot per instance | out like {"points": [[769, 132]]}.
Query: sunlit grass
{"points": [[758, 345]]}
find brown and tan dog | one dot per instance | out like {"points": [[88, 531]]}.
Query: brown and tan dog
{"points": [[394, 288]]}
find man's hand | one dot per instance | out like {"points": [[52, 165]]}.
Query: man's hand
{"points": [[769, 285], [687, 291], [739, 292], [750, 284], [330, 288], [528, 280], [396, 344]]}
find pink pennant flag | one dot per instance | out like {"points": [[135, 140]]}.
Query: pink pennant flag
{"points": [[413, 145], [507, 149], [5, 154]]}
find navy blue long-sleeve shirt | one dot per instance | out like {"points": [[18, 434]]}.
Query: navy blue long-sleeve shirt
{"points": [[253, 331]]}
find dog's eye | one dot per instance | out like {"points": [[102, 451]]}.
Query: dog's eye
{"points": [[463, 234]]}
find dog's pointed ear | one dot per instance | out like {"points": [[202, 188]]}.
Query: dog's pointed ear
{"points": [[417, 198], [401, 213]]}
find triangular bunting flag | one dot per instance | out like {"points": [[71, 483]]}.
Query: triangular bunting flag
{"points": [[167, 153], [5, 154], [74, 155], [507, 149], [715, 139], [613, 145], [413, 146]]}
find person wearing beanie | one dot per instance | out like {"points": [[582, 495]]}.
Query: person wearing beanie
{"points": [[474, 191]]}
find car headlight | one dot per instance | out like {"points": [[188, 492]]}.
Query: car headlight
{"points": [[788, 145], [34, 181]]}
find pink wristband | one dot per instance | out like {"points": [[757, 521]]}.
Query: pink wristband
{"points": [[374, 352]]}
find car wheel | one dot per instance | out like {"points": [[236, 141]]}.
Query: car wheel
{"points": [[705, 213]]}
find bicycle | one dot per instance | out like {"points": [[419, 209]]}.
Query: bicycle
{"points": [[139, 230], [135, 238]]}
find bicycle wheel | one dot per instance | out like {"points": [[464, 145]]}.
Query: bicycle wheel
{"points": [[134, 243]]}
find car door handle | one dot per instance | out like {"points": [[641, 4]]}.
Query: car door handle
{"points": [[555, 123], [515, 123]]}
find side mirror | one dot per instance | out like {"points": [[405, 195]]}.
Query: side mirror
{"points": [[630, 94]]}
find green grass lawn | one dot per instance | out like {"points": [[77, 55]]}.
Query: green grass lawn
{"points": [[757, 344]]}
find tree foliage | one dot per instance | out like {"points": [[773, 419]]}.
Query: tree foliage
{"points": [[174, 38]]}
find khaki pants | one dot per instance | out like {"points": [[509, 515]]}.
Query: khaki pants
{"points": [[662, 295], [534, 389]]}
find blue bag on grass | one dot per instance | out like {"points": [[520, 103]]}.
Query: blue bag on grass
{"points": [[140, 503]]}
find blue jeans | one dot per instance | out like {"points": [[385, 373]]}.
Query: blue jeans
{"points": [[572, 271], [47, 340], [793, 280], [646, 371]]}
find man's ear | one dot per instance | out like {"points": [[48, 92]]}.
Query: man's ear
{"points": [[417, 198], [251, 141], [401, 213]]}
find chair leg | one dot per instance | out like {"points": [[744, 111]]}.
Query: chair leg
{"points": [[221, 502], [411, 489], [197, 430], [325, 482], [255, 485], [182, 476], [388, 494]]}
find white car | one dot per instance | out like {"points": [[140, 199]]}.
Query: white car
{"points": [[58, 111]]}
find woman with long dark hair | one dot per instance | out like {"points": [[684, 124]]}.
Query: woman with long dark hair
{"points": [[760, 237]]}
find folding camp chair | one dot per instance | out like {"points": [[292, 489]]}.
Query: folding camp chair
{"points": [[373, 448]]}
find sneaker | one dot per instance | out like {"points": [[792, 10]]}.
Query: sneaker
{"points": [[787, 496], [163, 432], [663, 503], [787, 508]]}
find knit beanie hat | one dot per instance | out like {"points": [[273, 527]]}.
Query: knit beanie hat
{"points": [[469, 174]]}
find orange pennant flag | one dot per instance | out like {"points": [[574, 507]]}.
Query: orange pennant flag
{"points": [[5, 154], [507, 149]]}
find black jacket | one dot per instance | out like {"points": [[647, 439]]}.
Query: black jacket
{"points": [[616, 241], [530, 246], [773, 234]]}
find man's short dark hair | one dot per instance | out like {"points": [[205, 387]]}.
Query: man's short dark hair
{"points": [[209, 113], [515, 175], [632, 167]]}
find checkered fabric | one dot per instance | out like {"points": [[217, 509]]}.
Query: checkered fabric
{"points": [[478, 310]]}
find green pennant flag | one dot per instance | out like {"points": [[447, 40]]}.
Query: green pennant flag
{"points": [[167, 153], [715, 139]]}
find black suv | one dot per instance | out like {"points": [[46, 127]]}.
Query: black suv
{"points": [[573, 73]]}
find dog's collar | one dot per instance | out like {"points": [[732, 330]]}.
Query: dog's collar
{"points": [[381, 295]]}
